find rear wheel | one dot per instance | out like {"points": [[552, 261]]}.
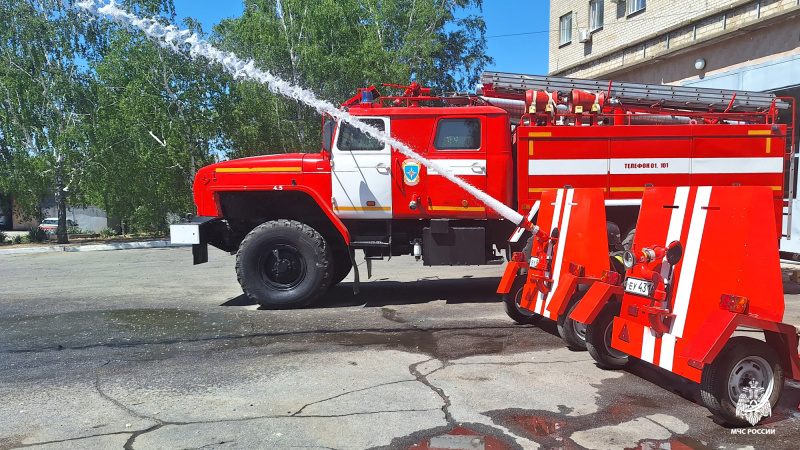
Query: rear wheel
{"points": [[726, 383], [283, 264], [598, 339]]}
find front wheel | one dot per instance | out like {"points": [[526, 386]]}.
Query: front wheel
{"points": [[744, 382], [283, 264], [598, 339]]}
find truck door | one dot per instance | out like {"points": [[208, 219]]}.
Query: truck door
{"points": [[459, 147], [361, 172]]}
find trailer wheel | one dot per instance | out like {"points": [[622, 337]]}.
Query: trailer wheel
{"points": [[511, 302], [598, 339], [571, 331], [741, 361], [283, 264]]}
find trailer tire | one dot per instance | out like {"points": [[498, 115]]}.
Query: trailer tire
{"points": [[571, 331], [511, 304], [742, 360], [283, 264], [598, 339]]}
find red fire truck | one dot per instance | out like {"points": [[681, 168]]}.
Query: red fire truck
{"points": [[294, 221]]}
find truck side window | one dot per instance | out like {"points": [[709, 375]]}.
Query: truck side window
{"points": [[458, 134], [351, 138]]}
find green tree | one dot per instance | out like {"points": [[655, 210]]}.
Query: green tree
{"points": [[155, 125], [44, 102], [334, 47]]}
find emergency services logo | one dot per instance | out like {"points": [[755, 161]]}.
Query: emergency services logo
{"points": [[411, 169], [752, 405]]}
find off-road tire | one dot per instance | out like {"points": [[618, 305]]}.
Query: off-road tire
{"points": [[569, 329], [714, 382], [598, 338], [283, 264]]}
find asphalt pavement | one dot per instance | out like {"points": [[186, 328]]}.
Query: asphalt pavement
{"points": [[139, 350]]}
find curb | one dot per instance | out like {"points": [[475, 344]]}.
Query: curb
{"points": [[92, 248]]}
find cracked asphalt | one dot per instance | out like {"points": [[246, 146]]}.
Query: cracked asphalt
{"points": [[141, 350]]}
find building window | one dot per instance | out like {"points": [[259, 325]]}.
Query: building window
{"points": [[595, 14], [565, 29], [635, 5]]}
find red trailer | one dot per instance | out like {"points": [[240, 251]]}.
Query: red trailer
{"points": [[704, 263]]}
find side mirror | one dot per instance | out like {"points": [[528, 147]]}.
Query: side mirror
{"points": [[327, 134], [674, 252]]}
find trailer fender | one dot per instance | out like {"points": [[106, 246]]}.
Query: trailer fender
{"points": [[560, 298], [594, 300], [719, 327], [512, 270]]}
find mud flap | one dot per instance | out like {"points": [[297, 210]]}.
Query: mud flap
{"points": [[594, 300], [512, 269], [563, 293], [356, 286]]}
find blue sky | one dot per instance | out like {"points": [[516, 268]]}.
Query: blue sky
{"points": [[516, 29]]}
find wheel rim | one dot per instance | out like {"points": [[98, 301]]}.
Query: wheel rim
{"points": [[282, 267], [607, 341], [580, 329], [751, 368]]}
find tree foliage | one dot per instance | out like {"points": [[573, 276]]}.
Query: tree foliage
{"points": [[336, 46], [92, 113], [154, 127], [45, 98]]}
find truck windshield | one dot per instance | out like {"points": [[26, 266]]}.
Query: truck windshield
{"points": [[351, 138]]}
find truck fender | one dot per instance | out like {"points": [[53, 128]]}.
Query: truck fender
{"points": [[324, 206], [559, 299], [720, 326], [596, 297], [512, 269]]}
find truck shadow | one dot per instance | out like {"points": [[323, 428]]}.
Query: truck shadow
{"points": [[385, 292]]}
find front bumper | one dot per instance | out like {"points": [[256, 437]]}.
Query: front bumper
{"points": [[197, 233]]}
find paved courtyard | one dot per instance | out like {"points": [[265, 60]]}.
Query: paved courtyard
{"points": [[139, 349]]}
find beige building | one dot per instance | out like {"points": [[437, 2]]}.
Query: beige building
{"points": [[733, 44]]}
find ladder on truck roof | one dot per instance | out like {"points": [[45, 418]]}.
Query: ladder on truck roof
{"points": [[513, 85]]}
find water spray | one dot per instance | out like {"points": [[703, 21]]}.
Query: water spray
{"points": [[177, 40]]}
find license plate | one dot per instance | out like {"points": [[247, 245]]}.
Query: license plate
{"points": [[638, 287], [534, 262]]}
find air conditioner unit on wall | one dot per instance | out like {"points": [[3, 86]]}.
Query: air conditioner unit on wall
{"points": [[584, 36]]}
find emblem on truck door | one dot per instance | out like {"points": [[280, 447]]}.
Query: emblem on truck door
{"points": [[411, 172]]}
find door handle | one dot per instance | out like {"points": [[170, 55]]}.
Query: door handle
{"points": [[381, 167], [478, 168]]}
